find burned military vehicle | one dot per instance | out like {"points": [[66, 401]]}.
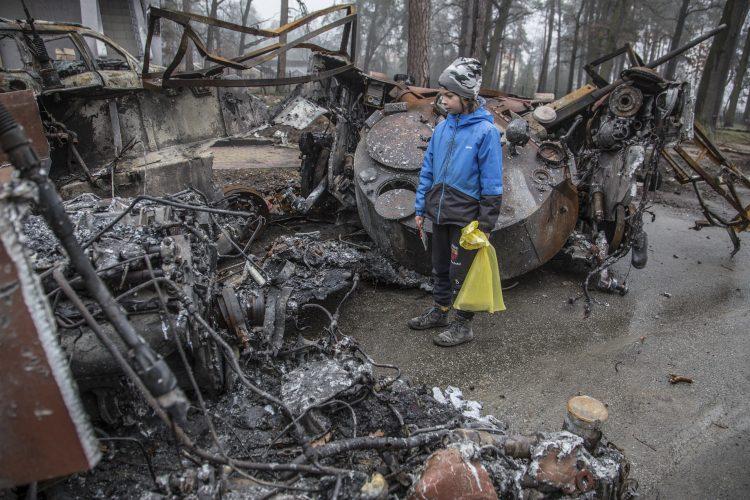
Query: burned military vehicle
{"points": [[572, 166], [577, 170]]}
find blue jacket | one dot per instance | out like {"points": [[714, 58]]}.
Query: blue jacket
{"points": [[462, 172]]}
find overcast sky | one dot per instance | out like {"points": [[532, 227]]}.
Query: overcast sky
{"points": [[270, 8]]}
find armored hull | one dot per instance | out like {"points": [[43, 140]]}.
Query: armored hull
{"points": [[540, 203]]}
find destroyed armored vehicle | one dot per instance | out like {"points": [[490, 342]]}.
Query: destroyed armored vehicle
{"points": [[577, 171]]}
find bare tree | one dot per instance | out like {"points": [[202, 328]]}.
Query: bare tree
{"points": [[186, 6], [588, 35], [472, 40], [557, 47], [495, 58], [511, 80], [674, 42], [283, 19], [245, 19], [417, 61], [542, 85], [716, 70], [467, 27], [487, 20], [482, 11], [574, 45], [213, 31], [739, 76], [379, 27], [616, 12]]}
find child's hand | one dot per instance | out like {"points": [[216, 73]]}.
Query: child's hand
{"points": [[419, 220]]}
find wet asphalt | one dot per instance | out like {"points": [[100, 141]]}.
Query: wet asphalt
{"points": [[684, 440]]}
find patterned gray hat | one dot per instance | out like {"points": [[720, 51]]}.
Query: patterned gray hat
{"points": [[462, 77]]}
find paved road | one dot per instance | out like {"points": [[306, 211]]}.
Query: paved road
{"points": [[685, 440]]}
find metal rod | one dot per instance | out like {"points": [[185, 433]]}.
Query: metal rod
{"points": [[152, 369], [679, 50]]}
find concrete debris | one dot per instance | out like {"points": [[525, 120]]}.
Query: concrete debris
{"points": [[299, 113]]}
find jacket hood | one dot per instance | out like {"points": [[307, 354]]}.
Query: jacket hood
{"points": [[480, 114]]}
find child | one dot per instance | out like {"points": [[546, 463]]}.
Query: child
{"points": [[461, 180]]}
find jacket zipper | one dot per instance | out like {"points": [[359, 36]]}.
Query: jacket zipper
{"points": [[446, 164]]}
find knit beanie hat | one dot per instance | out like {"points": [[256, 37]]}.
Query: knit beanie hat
{"points": [[462, 77]]}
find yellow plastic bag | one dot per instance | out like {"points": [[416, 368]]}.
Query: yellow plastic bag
{"points": [[481, 290]]}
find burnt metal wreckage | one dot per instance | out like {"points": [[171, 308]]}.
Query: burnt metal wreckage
{"points": [[572, 166], [310, 417], [152, 318]]}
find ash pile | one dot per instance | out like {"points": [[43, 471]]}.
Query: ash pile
{"points": [[281, 402]]}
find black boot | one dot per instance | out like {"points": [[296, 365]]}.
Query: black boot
{"points": [[432, 318]]}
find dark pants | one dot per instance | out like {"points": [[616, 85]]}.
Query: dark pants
{"points": [[450, 263]]}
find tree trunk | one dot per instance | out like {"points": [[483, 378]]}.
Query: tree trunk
{"points": [[652, 53], [542, 85], [614, 27], [245, 17], [674, 42], [746, 113], [281, 62], [369, 45], [557, 48], [494, 63], [574, 48], [464, 38], [186, 4], [484, 40], [586, 56], [483, 11], [512, 73], [739, 76], [417, 60], [714, 78], [497, 72], [212, 30]]}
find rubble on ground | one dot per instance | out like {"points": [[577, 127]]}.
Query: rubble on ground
{"points": [[305, 412]]}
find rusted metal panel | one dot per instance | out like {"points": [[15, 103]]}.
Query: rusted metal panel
{"points": [[45, 432], [573, 96], [22, 105], [207, 76]]}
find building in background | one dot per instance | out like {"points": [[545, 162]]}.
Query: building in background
{"points": [[124, 21]]}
